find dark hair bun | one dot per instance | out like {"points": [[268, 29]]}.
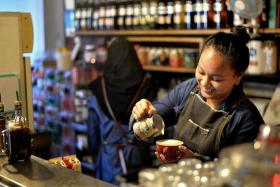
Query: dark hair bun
{"points": [[241, 33]]}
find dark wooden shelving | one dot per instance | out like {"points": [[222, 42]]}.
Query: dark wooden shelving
{"points": [[263, 78], [168, 32], [153, 32], [161, 68]]}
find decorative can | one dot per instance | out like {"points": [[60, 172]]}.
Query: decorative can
{"points": [[270, 57], [256, 65]]}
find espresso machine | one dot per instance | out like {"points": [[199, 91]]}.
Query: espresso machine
{"points": [[16, 40]]}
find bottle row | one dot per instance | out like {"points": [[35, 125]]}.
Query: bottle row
{"points": [[173, 57], [167, 14]]}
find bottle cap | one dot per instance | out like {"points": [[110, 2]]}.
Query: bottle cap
{"points": [[17, 105]]}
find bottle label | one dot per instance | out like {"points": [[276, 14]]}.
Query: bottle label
{"points": [[136, 10], [128, 21], [198, 7], [84, 13], [218, 7], [108, 12], [189, 8], [102, 12], [144, 9], [206, 6], [113, 11], [170, 9], [187, 19], [197, 18], [168, 19], [129, 10], [143, 21], [89, 12], [217, 18], [78, 14], [153, 8], [161, 20], [94, 24], [136, 20], [204, 18], [120, 21], [121, 11], [178, 7], [177, 19], [96, 15]]}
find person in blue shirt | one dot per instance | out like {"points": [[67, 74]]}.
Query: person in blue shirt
{"points": [[114, 150], [211, 110]]}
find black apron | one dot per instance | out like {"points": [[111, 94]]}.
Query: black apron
{"points": [[201, 127]]}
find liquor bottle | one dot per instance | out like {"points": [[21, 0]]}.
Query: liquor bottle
{"points": [[19, 135], [198, 14], [102, 15], [162, 12], [221, 15], [204, 15], [189, 14], [178, 15], [265, 13], [77, 15], [108, 16], [136, 14], [89, 15], [145, 16], [95, 16], [120, 15], [169, 15], [210, 14], [153, 14], [113, 19], [83, 19], [129, 15]]}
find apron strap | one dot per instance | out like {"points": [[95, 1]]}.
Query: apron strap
{"points": [[118, 124], [136, 95]]}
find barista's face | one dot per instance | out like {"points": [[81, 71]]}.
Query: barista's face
{"points": [[215, 77]]}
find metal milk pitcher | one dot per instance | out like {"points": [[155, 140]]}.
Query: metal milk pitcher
{"points": [[149, 127]]}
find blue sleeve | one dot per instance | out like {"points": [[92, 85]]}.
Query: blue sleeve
{"points": [[171, 106], [244, 125]]}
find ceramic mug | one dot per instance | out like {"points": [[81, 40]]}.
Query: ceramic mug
{"points": [[170, 149]]}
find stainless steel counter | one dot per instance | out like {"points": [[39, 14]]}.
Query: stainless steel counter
{"points": [[38, 172]]}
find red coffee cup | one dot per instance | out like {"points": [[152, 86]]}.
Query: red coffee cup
{"points": [[170, 149]]}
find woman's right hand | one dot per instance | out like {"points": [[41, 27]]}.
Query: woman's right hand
{"points": [[142, 109]]}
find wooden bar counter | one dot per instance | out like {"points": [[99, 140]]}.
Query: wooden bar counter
{"points": [[38, 172]]}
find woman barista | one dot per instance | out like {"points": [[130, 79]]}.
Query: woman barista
{"points": [[211, 111]]}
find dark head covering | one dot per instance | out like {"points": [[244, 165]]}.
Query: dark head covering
{"points": [[123, 75]]}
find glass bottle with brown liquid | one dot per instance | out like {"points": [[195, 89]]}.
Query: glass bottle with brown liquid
{"points": [[221, 19], [18, 136]]}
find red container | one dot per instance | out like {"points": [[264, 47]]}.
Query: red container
{"points": [[170, 149]]}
